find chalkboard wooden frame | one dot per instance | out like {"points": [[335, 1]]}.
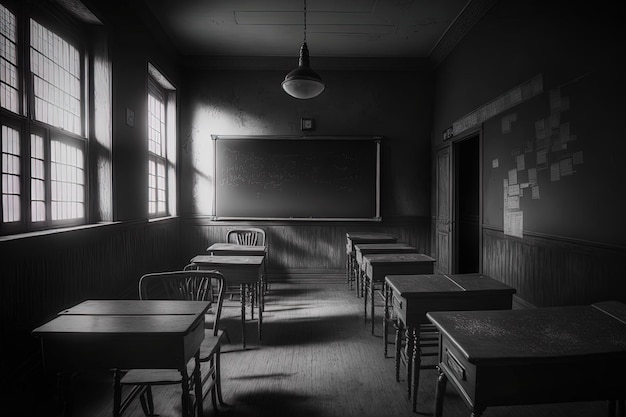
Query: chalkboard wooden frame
{"points": [[315, 150]]}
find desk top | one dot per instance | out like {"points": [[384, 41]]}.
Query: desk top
{"points": [[233, 247], [227, 260], [531, 335], [119, 325], [421, 286], [367, 237], [387, 258], [104, 341], [381, 247], [136, 307]]}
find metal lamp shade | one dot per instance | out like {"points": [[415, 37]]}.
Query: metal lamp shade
{"points": [[303, 82]]}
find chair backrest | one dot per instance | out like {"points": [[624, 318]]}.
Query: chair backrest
{"points": [[251, 236], [191, 285]]}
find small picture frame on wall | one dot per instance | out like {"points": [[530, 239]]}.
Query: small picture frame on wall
{"points": [[307, 124]]}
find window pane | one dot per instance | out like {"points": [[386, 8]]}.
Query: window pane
{"points": [[156, 186], [67, 181], [9, 91], [156, 125], [56, 79], [37, 179], [11, 172]]}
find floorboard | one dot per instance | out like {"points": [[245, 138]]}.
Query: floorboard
{"points": [[317, 359]]}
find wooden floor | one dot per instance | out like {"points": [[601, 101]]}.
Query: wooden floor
{"points": [[317, 359]]}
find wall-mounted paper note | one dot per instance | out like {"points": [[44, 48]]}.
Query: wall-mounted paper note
{"points": [[566, 167], [532, 175], [512, 176], [513, 203], [535, 192], [555, 172], [514, 224]]}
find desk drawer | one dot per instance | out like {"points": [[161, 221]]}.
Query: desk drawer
{"points": [[398, 304], [459, 371]]}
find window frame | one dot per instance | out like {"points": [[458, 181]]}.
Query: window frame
{"points": [[58, 22], [161, 94]]}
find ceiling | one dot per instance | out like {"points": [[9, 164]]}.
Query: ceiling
{"points": [[334, 28]]}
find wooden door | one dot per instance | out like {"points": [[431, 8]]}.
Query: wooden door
{"points": [[443, 221]]}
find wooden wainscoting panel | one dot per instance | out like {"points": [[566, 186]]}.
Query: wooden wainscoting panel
{"points": [[549, 271]]}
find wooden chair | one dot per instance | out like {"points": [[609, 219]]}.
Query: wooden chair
{"points": [[192, 285], [251, 236]]}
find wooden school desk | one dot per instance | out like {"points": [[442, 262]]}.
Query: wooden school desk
{"points": [[377, 266], [129, 334], [352, 238], [236, 249], [412, 296], [361, 249], [244, 271], [533, 356], [227, 249]]}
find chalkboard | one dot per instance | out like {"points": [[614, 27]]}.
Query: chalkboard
{"points": [[299, 178]]}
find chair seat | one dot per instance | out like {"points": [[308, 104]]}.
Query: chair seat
{"points": [[151, 377], [210, 344]]}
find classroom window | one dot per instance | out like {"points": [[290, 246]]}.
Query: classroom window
{"points": [[156, 163], [42, 90], [8, 60], [56, 75], [161, 145], [11, 175]]}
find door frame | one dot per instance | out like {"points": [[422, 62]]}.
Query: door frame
{"points": [[442, 226], [454, 207]]}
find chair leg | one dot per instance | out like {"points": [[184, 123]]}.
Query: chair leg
{"points": [[147, 402], [218, 378]]}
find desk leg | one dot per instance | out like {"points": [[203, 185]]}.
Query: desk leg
{"points": [[252, 292], [348, 270], [372, 284], [440, 392], [398, 346], [417, 364], [364, 284], [197, 382], [260, 303], [386, 317], [117, 392], [242, 292], [408, 353], [185, 399]]}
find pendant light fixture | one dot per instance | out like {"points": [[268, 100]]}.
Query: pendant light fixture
{"points": [[303, 82]]}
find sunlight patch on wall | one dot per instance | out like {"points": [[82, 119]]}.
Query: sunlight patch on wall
{"points": [[210, 120]]}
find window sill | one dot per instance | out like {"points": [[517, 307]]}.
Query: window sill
{"points": [[61, 230]]}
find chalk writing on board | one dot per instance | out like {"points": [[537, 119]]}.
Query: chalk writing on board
{"points": [[290, 178]]}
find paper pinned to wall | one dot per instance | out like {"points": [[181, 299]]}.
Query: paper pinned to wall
{"points": [[514, 224], [535, 192], [532, 176], [566, 167]]}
